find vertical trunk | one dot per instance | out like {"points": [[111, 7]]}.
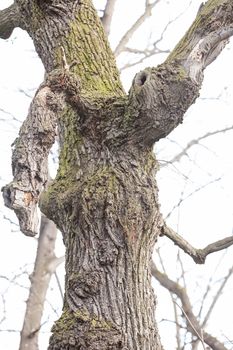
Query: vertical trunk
{"points": [[104, 198], [109, 219]]}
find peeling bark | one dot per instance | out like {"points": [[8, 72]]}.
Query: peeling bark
{"points": [[104, 198]]}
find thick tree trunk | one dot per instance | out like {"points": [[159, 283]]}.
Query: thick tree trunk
{"points": [[110, 220], [104, 197]]}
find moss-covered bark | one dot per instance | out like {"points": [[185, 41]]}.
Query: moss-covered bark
{"points": [[104, 198]]}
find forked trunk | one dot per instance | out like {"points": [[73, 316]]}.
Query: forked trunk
{"points": [[104, 198]]}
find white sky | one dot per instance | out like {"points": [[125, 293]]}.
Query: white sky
{"points": [[204, 217]]}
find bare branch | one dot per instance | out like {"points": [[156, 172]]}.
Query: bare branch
{"points": [[9, 20], [146, 54], [182, 199], [193, 325], [54, 263], [199, 335], [107, 16], [149, 52], [198, 255], [59, 285], [217, 296], [125, 39], [183, 153], [39, 284]]}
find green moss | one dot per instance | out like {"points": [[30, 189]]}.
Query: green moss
{"points": [[103, 181], [82, 315], [90, 55], [66, 322], [202, 24], [68, 161], [150, 163], [37, 17], [69, 320]]}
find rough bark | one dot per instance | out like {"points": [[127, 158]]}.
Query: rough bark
{"points": [[104, 198], [45, 265]]}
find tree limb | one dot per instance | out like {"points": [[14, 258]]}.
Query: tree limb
{"points": [[217, 296], [160, 96], [29, 160], [107, 16], [198, 255], [127, 36], [9, 20], [205, 39], [192, 322], [39, 285], [192, 143]]}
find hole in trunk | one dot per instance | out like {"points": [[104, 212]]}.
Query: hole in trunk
{"points": [[140, 78]]}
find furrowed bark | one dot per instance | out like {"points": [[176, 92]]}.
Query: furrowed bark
{"points": [[29, 160], [9, 20], [108, 231], [160, 96], [104, 198]]}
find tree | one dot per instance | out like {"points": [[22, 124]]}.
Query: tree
{"points": [[104, 197]]}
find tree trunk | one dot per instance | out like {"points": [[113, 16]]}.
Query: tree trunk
{"points": [[104, 198]]}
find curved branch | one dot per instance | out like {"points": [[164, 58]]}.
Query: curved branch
{"points": [[160, 96], [191, 320], [198, 255], [29, 160], [9, 20]]}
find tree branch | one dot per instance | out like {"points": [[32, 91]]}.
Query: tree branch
{"points": [[192, 143], [107, 16], [198, 255], [29, 160], [192, 322], [39, 284], [217, 296], [205, 39], [128, 35], [9, 20], [160, 96]]}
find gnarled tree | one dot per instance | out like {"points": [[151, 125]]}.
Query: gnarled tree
{"points": [[104, 198]]}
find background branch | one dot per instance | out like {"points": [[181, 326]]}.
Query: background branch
{"points": [[107, 16], [198, 255], [128, 35], [40, 279], [192, 322]]}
